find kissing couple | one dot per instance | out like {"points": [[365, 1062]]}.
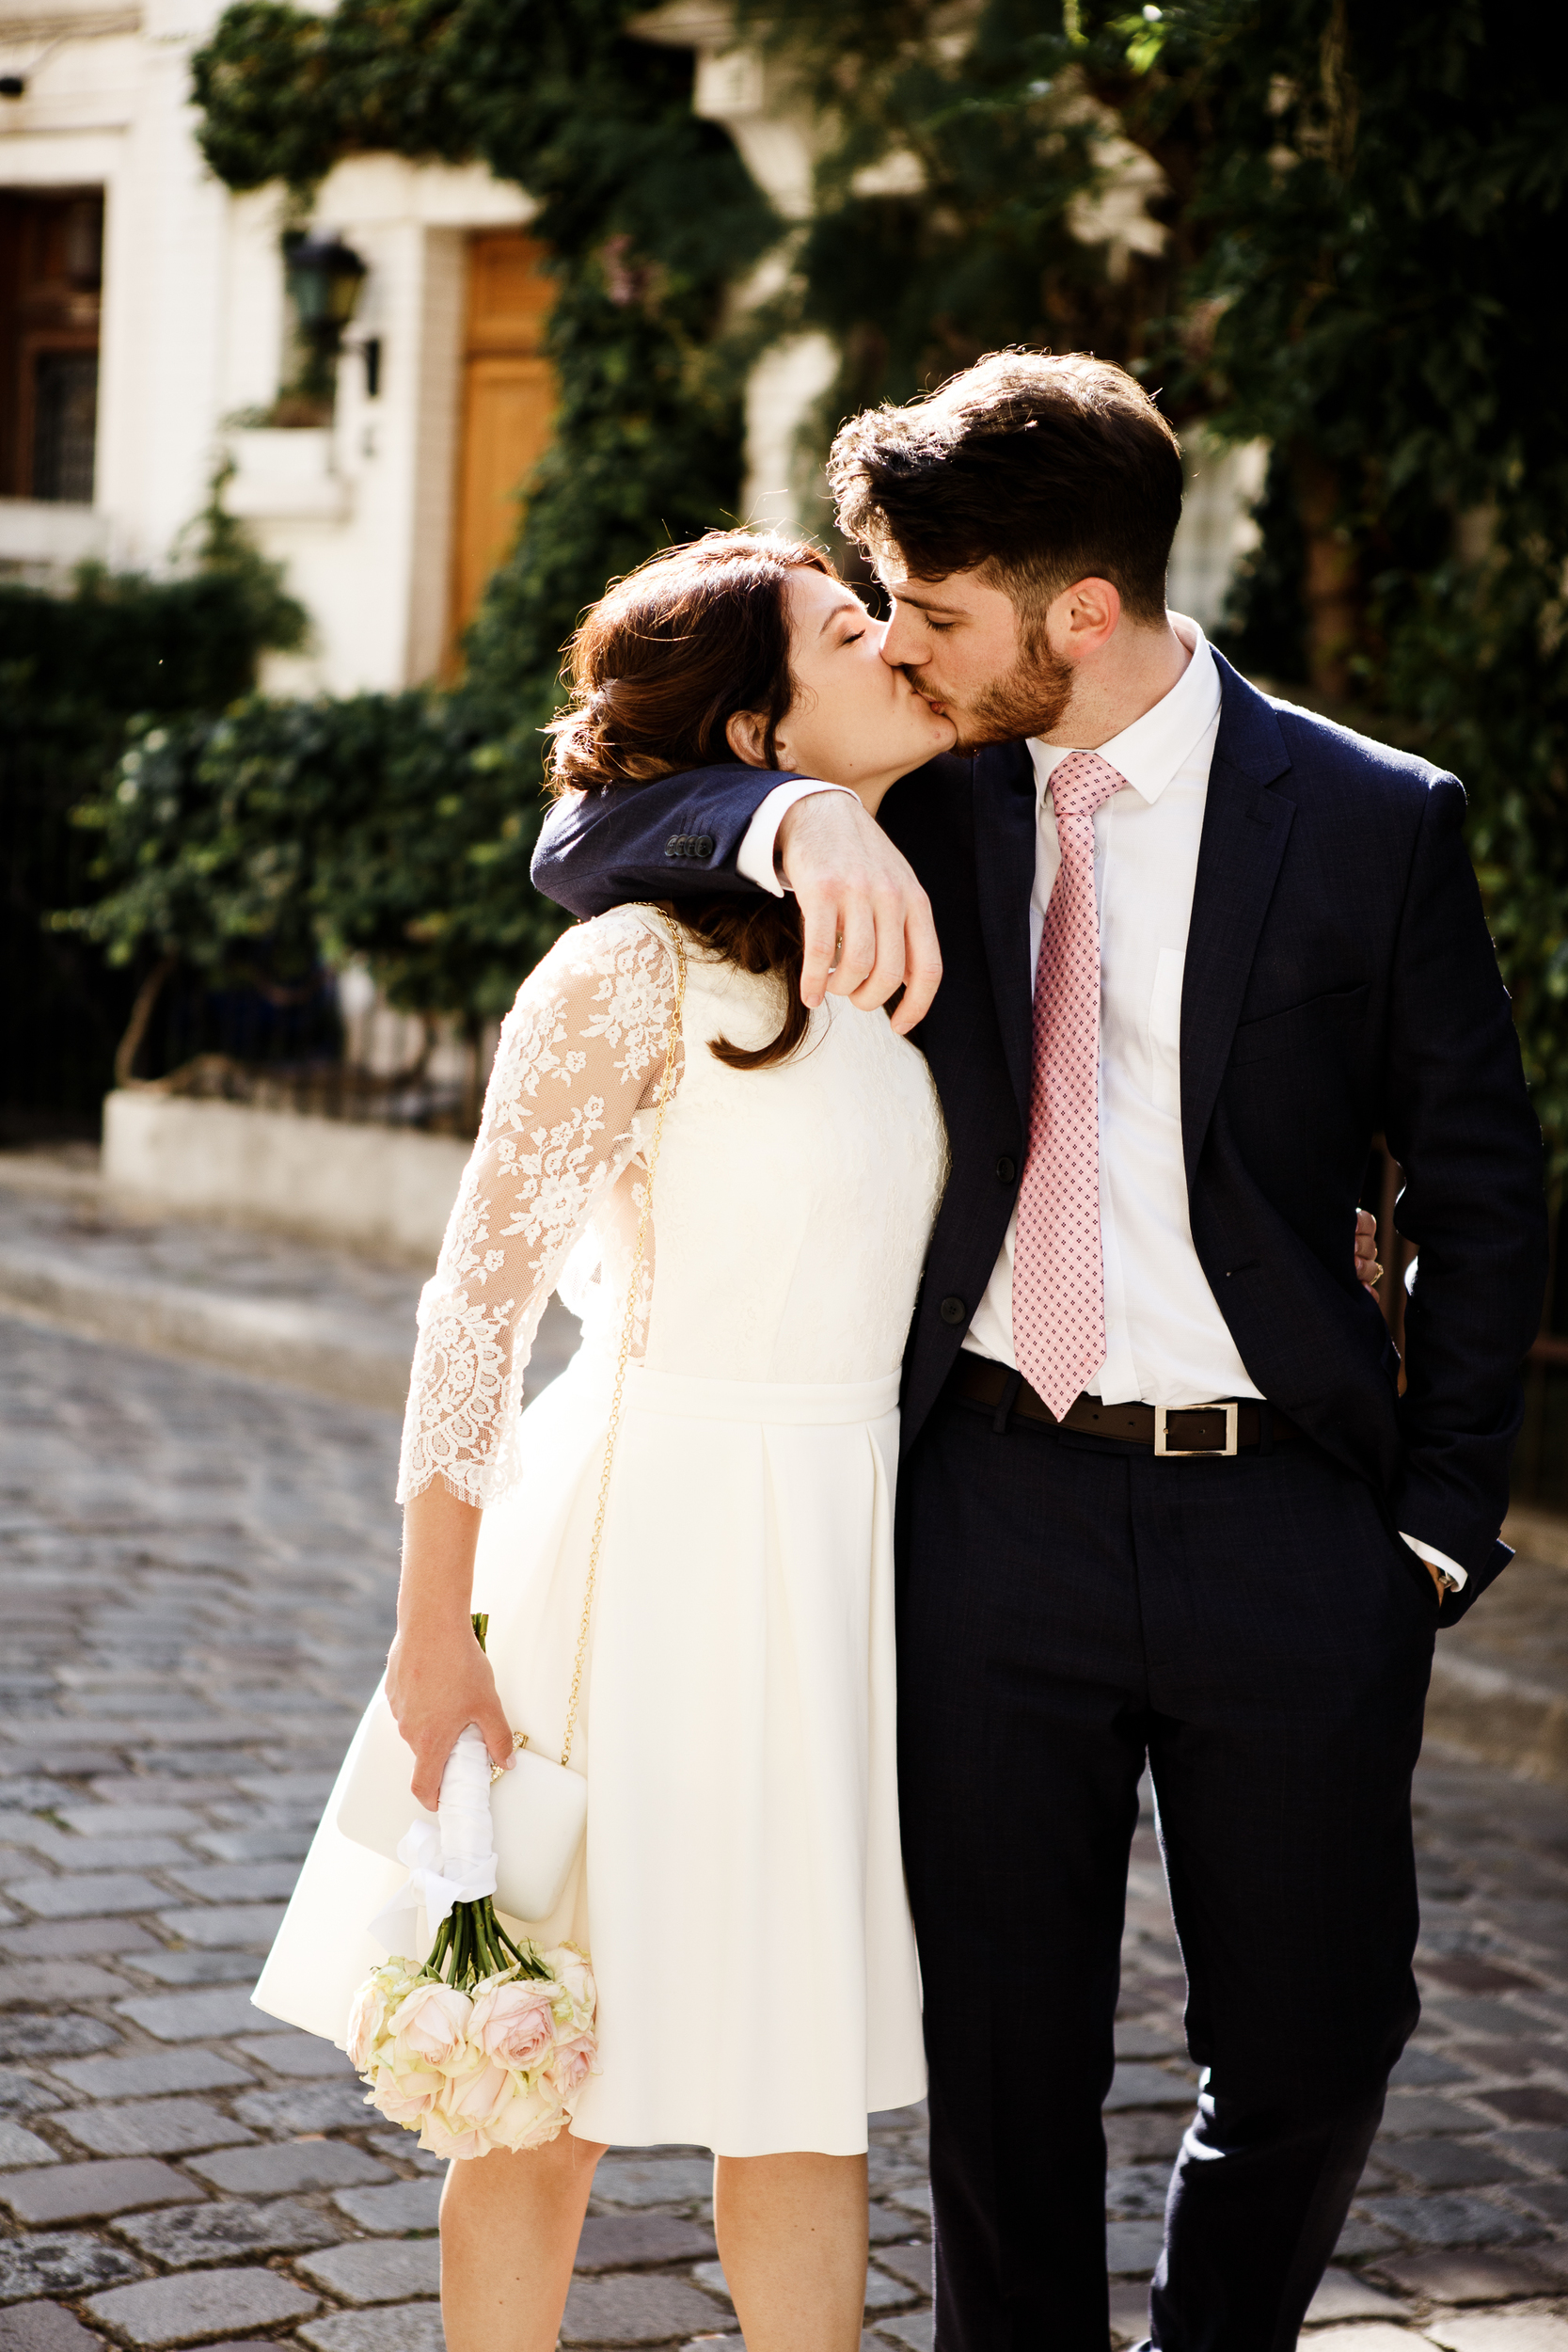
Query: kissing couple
{"points": [[996, 1404]]}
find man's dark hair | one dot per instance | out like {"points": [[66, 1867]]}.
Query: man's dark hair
{"points": [[1037, 469]]}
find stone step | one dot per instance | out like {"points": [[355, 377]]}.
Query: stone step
{"points": [[254, 1302]]}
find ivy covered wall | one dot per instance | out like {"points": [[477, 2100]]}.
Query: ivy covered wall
{"points": [[1343, 240], [1378, 206], [1365, 214], [398, 827]]}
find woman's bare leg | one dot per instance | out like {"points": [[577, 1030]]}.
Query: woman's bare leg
{"points": [[792, 2237], [509, 2236]]}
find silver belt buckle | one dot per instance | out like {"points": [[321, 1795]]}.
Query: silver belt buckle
{"points": [[1182, 1453]]}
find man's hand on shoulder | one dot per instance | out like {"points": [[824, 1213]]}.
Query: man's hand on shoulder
{"points": [[865, 920]]}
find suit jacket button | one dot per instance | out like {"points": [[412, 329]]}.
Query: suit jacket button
{"points": [[1006, 1170], [953, 1310], [675, 847], [703, 845]]}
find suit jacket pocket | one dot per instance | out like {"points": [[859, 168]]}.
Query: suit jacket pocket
{"points": [[1332, 1018]]}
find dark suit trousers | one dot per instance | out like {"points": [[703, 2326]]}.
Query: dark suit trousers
{"points": [[1067, 1608]]}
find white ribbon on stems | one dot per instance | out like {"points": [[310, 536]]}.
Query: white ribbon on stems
{"points": [[451, 1862]]}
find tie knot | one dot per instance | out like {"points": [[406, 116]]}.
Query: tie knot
{"points": [[1082, 783]]}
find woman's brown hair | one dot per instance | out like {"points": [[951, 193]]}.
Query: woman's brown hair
{"points": [[659, 666]]}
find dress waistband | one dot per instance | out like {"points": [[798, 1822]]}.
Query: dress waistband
{"points": [[688, 1396]]}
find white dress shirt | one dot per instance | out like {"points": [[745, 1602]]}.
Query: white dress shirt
{"points": [[1166, 1342]]}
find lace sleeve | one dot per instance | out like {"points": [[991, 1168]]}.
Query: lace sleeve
{"points": [[582, 1051]]}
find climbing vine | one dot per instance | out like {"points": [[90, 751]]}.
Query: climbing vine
{"points": [[1377, 201], [649, 217], [399, 827], [960, 193], [1363, 210], [1360, 213]]}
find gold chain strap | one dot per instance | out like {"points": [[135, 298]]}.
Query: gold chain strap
{"points": [[626, 1334]]}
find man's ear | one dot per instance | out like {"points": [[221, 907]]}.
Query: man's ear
{"points": [[746, 733], [1082, 618]]}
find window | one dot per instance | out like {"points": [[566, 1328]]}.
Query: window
{"points": [[51, 276]]}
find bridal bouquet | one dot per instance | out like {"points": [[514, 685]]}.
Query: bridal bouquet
{"points": [[486, 2042], [477, 2062]]}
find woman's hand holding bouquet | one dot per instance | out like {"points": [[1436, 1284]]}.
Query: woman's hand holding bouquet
{"points": [[486, 2042]]}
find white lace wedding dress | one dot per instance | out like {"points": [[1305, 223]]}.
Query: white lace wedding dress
{"points": [[741, 1888]]}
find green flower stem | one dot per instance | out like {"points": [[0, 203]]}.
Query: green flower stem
{"points": [[470, 1944]]}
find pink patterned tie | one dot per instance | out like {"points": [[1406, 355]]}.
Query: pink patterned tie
{"points": [[1058, 1277]]}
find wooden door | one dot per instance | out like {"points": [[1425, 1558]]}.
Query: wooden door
{"points": [[508, 403]]}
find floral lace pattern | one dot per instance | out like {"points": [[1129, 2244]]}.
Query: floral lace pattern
{"points": [[581, 1058]]}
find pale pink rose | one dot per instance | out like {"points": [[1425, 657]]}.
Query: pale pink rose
{"points": [[431, 2025], [471, 2102], [467, 2058], [442, 2138], [365, 2022], [572, 2062], [515, 2024], [531, 2119], [403, 2095], [570, 1968]]}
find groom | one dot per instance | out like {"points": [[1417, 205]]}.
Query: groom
{"points": [[1162, 1500]]}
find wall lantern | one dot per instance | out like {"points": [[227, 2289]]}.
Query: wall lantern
{"points": [[323, 277]]}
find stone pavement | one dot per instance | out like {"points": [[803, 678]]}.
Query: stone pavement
{"points": [[343, 1323], [195, 1583], [259, 1303], [1501, 1690]]}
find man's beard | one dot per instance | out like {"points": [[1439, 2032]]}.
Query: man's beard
{"points": [[1030, 700]]}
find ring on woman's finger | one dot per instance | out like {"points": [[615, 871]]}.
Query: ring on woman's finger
{"points": [[519, 1740]]}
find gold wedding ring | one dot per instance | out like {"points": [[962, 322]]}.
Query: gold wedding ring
{"points": [[519, 1740]]}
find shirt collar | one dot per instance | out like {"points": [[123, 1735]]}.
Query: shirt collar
{"points": [[1154, 749]]}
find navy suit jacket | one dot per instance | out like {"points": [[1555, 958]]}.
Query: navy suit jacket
{"points": [[1340, 982]]}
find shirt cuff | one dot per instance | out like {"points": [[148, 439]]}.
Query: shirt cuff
{"points": [[1455, 1575], [755, 861]]}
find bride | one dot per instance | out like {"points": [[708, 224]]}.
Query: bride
{"points": [[740, 1889]]}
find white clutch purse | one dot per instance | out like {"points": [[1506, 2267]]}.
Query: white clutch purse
{"points": [[538, 1810], [537, 1813]]}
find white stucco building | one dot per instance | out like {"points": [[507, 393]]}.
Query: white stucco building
{"points": [[145, 330], [187, 321]]}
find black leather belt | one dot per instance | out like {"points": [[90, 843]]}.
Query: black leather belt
{"points": [[1223, 1429]]}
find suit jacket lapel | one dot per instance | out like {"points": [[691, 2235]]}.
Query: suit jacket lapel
{"points": [[1245, 827], [1004, 849]]}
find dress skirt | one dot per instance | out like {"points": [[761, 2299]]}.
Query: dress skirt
{"points": [[740, 1889]]}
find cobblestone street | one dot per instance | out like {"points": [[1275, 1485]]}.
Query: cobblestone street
{"points": [[196, 1578]]}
